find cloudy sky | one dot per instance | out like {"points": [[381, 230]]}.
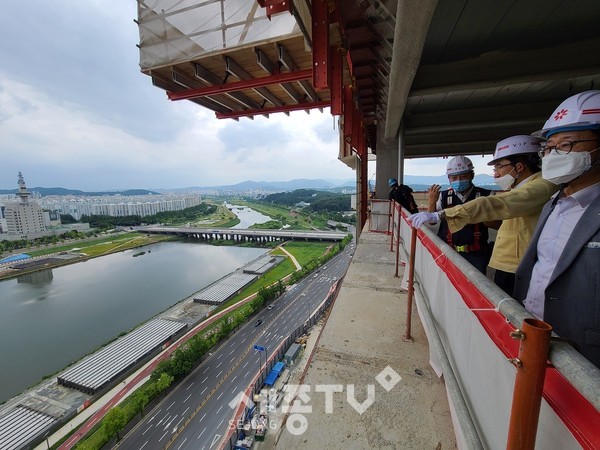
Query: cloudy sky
{"points": [[65, 121]]}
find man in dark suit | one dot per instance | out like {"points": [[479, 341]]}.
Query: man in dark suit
{"points": [[558, 279]]}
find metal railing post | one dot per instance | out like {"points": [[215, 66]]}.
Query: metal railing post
{"points": [[390, 224], [411, 276], [398, 242], [529, 383]]}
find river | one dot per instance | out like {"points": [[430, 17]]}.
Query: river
{"points": [[247, 216], [54, 317]]}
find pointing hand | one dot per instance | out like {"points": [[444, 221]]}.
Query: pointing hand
{"points": [[418, 219]]}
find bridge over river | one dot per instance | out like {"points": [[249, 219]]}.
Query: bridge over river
{"points": [[245, 235]]}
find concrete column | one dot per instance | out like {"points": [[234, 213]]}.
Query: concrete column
{"points": [[388, 158]]}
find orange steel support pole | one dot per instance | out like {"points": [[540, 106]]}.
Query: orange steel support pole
{"points": [[411, 276], [398, 241], [390, 223], [529, 383]]}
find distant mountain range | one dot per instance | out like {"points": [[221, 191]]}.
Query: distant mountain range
{"points": [[422, 183], [270, 186], [418, 183]]}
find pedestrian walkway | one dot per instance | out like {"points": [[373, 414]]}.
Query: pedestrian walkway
{"points": [[294, 260]]}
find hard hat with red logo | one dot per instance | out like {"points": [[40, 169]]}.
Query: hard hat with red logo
{"points": [[578, 112], [459, 165], [515, 145]]}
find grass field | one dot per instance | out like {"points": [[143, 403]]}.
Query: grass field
{"points": [[101, 246], [302, 251]]}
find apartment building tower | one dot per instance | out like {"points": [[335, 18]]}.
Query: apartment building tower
{"points": [[24, 217]]}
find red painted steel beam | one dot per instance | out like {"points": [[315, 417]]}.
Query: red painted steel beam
{"points": [[348, 112], [241, 85], [276, 109], [350, 64], [275, 6], [356, 129], [280, 8], [320, 50], [337, 75]]}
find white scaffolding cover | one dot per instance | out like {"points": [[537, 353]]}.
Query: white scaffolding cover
{"points": [[175, 31]]}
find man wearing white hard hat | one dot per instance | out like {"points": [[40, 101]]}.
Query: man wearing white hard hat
{"points": [[471, 241], [558, 279], [516, 169]]}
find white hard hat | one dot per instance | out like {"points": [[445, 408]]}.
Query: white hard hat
{"points": [[459, 165], [515, 145], [578, 112]]}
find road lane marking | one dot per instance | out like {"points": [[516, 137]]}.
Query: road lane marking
{"points": [[177, 424]]}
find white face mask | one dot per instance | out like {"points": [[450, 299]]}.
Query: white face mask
{"points": [[559, 168], [505, 182]]}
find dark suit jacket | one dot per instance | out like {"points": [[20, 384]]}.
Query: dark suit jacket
{"points": [[572, 298]]}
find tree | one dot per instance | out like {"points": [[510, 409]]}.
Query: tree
{"points": [[140, 400], [114, 421], [164, 382]]}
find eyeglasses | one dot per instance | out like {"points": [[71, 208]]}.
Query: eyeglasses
{"points": [[563, 148], [497, 167]]}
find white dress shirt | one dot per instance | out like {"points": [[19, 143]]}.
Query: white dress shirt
{"points": [[552, 241]]}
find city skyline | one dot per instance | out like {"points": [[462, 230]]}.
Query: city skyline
{"points": [[69, 122]]}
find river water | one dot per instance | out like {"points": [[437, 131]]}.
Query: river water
{"points": [[247, 216], [54, 317]]}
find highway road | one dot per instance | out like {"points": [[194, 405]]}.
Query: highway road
{"points": [[196, 414]]}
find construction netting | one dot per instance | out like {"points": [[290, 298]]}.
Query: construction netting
{"points": [[175, 31]]}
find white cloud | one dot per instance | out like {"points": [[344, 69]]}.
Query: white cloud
{"points": [[77, 113], [62, 144]]}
